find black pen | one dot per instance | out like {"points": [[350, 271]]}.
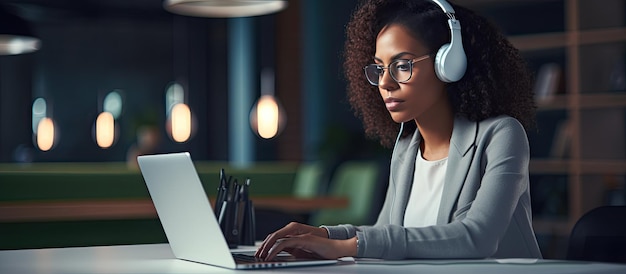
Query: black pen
{"points": [[232, 191], [235, 192], [222, 185], [227, 188], [221, 192], [245, 196]]}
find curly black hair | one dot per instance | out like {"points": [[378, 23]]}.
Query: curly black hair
{"points": [[497, 80]]}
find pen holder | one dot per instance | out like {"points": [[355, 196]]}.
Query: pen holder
{"points": [[231, 221], [248, 229]]}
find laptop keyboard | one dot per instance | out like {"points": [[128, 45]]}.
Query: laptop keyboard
{"points": [[251, 259], [246, 258]]}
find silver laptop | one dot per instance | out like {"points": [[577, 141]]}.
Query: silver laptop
{"points": [[188, 219]]}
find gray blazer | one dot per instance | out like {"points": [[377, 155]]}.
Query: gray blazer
{"points": [[485, 209]]}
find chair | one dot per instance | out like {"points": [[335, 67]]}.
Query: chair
{"points": [[599, 235], [358, 181], [309, 180]]}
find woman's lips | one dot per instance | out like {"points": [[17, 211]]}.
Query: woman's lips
{"points": [[393, 104]]}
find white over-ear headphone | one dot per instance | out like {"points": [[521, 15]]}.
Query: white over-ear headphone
{"points": [[450, 62]]}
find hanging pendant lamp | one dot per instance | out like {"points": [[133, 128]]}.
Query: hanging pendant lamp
{"points": [[16, 36], [224, 8]]}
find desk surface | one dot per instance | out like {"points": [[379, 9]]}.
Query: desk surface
{"points": [[157, 258], [141, 208]]}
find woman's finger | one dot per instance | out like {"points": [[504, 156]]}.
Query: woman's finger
{"points": [[306, 245], [271, 239], [280, 245]]}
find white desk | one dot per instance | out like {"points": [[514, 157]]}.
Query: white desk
{"points": [[157, 258]]}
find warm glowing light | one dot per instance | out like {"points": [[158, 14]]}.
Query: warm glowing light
{"points": [[45, 134], [105, 130], [267, 117], [181, 122]]}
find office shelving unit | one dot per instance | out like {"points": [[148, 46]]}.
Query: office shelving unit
{"points": [[590, 47]]}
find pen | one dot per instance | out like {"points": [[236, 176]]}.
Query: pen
{"points": [[229, 184], [232, 190], [221, 192], [245, 192]]}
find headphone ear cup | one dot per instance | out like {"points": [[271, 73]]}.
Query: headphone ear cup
{"points": [[450, 62], [440, 63]]}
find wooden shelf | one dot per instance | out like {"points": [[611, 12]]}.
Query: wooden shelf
{"points": [[601, 36], [539, 41], [585, 167], [605, 100], [554, 102], [549, 166], [552, 40], [597, 167], [579, 67], [585, 101]]}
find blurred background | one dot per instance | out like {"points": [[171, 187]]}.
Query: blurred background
{"points": [[90, 49], [114, 79]]}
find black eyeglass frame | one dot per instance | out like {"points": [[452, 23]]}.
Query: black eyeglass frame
{"points": [[382, 68]]}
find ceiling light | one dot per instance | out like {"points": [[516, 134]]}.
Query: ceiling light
{"points": [[224, 8], [16, 37], [267, 117]]}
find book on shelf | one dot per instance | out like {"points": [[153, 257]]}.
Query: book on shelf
{"points": [[562, 139], [547, 82]]}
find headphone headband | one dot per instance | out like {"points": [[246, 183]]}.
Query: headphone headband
{"points": [[444, 5], [450, 61]]}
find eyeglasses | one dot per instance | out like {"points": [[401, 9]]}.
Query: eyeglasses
{"points": [[400, 70]]}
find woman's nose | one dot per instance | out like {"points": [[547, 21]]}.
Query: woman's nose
{"points": [[387, 82]]}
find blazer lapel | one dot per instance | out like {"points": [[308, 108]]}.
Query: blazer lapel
{"points": [[459, 161], [402, 175]]}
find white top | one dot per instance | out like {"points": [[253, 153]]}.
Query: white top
{"points": [[425, 197]]}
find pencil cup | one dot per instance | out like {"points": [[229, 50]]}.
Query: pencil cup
{"points": [[231, 221], [248, 229]]}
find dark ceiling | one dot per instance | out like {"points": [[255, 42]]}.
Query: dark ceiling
{"points": [[42, 11]]}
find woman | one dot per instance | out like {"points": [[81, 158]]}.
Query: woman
{"points": [[458, 185]]}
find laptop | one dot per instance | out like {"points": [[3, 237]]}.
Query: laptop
{"points": [[188, 219]]}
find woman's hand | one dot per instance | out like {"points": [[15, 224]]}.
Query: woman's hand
{"points": [[305, 241]]}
